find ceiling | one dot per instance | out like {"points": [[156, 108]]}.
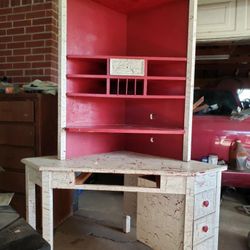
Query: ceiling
{"points": [[129, 6]]}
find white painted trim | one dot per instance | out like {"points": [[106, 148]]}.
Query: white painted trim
{"points": [[189, 214], [62, 62], [47, 208], [30, 197], [190, 80]]}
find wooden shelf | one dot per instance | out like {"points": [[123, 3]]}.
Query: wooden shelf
{"points": [[125, 129], [175, 97]]}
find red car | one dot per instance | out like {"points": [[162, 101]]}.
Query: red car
{"points": [[214, 130]]}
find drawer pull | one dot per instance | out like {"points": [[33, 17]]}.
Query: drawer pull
{"points": [[205, 203], [205, 229]]}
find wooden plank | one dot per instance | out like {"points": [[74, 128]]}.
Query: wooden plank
{"points": [[17, 111], [62, 17], [17, 134], [123, 162], [190, 80]]}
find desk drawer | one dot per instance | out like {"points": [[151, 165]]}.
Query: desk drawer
{"points": [[13, 111], [206, 245], [17, 134], [10, 157], [205, 203], [204, 182], [12, 182], [204, 228]]}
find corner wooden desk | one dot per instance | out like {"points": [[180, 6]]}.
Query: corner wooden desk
{"points": [[193, 179]]}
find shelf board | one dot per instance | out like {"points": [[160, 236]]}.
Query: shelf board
{"points": [[71, 76], [166, 78], [178, 97], [125, 129], [149, 58], [156, 78]]}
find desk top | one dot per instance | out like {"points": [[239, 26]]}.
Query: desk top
{"points": [[123, 162]]}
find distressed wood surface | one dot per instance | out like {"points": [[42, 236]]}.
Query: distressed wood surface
{"points": [[189, 215], [160, 219], [123, 162], [190, 80], [30, 197], [62, 78], [47, 208]]}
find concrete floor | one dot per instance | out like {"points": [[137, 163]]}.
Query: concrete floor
{"points": [[98, 225]]}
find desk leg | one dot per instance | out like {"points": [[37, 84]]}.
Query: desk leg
{"points": [[189, 214], [30, 198], [47, 208]]}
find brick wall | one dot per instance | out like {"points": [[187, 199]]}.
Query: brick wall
{"points": [[28, 40]]}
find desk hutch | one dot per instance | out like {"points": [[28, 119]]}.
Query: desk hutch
{"points": [[125, 105]]}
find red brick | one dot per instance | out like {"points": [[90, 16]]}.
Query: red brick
{"points": [[2, 32], [6, 52], [21, 38], [23, 23], [5, 11], [5, 39], [41, 50], [15, 2], [16, 45], [14, 72], [2, 18], [25, 2], [34, 58], [22, 65], [15, 59], [4, 25], [36, 72], [21, 79], [15, 17], [35, 14], [3, 45], [21, 51], [45, 20], [21, 9], [35, 44], [35, 29], [42, 36], [41, 64], [45, 6], [15, 31], [2, 59], [6, 66], [4, 3]]}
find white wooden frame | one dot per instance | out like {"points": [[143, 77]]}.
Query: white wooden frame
{"points": [[62, 78], [188, 119], [176, 177]]}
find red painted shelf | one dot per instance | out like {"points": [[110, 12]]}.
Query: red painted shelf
{"points": [[125, 129], [170, 59], [159, 78], [71, 76], [181, 97]]}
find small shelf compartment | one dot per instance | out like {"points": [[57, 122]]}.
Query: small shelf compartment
{"points": [[78, 65], [126, 87]]}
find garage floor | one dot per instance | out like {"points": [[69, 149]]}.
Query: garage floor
{"points": [[97, 225]]}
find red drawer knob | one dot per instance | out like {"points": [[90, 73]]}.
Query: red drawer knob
{"points": [[205, 229], [205, 203]]}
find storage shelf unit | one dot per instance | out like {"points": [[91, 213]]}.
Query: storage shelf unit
{"points": [[126, 77]]}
